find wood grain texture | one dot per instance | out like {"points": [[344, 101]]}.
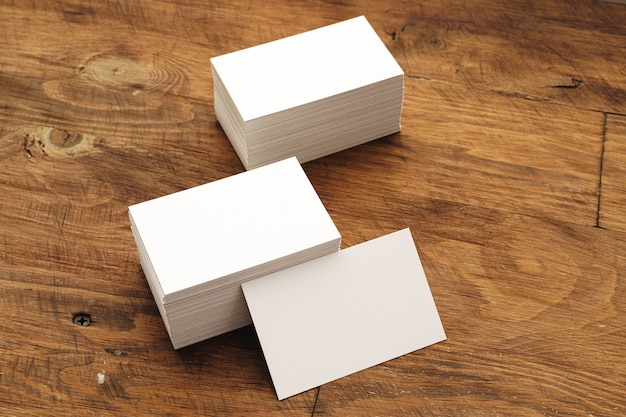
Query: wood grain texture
{"points": [[513, 138], [561, 52]]}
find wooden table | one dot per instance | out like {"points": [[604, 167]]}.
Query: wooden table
{"points": [[510, 171]]}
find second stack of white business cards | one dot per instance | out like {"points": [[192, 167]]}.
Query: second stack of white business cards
{"points": [[198, 245], [308, 95], [342, 313]]}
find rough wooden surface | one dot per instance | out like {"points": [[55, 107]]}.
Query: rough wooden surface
{"points": [[509, 170]]}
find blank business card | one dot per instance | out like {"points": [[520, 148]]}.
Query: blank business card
{"points": [[342, 313]]}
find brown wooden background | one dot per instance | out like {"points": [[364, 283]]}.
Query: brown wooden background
{"points": [[510, 170]]}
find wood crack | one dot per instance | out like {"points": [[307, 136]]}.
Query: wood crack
{"points": [[575, 83]]}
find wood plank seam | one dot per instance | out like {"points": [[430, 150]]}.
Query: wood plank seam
{"points": [[600, 172], [317, 395]]}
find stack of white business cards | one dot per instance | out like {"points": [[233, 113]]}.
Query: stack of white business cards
{"points": [[308, 95], [199, 245], [342, 313]]}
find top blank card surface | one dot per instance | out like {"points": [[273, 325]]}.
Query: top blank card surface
{"points": [[233, 224], [342, 313], [304, 68]]}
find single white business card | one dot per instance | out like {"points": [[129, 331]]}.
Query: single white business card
{"points": [[342, 313]]}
